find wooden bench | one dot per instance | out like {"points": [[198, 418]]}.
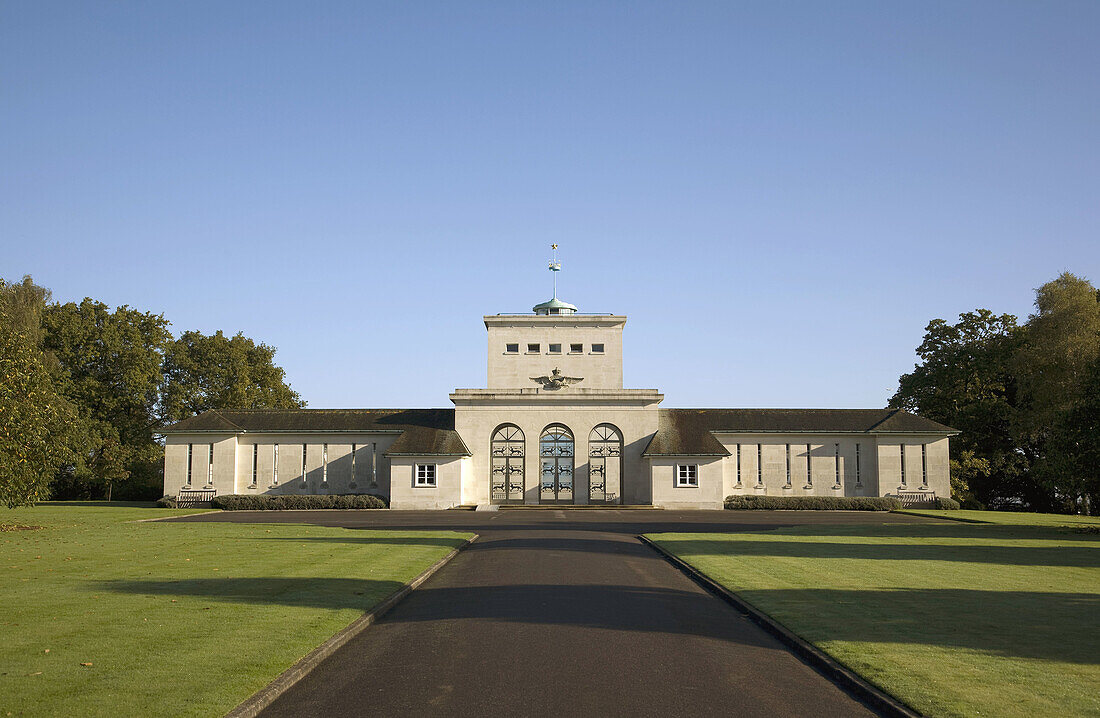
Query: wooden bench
{"points": [[190, 498], [910, 499]]}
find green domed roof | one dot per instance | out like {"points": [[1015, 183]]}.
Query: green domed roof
{"points": [[554, 306]]}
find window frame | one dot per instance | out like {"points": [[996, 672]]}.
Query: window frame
{"points": [[576, 348], [533, 348], [598, 351], [686, 476], [551, 350], [509, 350], [425, 476]]}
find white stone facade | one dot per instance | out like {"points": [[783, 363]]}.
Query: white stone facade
{"points": [[555, 425]]}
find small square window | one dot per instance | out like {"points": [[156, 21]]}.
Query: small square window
{"points": [[597, 348], [425, 475], [511, 348], [687, 476], [534, 348], [576, 348], [555, 348]]}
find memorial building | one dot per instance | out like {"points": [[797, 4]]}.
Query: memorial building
{"points": [[554, 425]]}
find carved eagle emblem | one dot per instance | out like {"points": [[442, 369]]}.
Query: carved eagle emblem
{"points": [[556, 380]]}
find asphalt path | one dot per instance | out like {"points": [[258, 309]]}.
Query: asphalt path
{"points": [[563, 613]]}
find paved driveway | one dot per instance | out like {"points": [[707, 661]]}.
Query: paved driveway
{"points": [[563, 613]]}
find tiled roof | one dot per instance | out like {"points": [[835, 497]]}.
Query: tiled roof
{"points": [[690, 432], [424, 432]]}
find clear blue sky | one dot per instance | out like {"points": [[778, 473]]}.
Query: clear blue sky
{"points": [[779, 195]]}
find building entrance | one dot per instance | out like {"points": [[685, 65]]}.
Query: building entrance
{"points": [[556, 461], [506, 481]]}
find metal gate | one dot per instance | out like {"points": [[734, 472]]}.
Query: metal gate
{"points": [[556, 460]]}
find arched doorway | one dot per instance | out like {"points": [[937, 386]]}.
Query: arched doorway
{"points": [[506, 473], [605, 449], [556, 461]]}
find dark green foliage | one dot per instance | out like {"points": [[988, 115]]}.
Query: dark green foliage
{"points": [[35, 420], [1026, 399], [239, 502], [812, 503], [972, 505], [167, 502], [218, 372], [946, 504]]}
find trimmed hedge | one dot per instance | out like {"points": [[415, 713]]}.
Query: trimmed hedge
{"points": [[942, 502], [812, 503], [240, 502], [167, 502]]}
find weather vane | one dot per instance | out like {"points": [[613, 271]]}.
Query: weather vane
{"points": [[555, 266]]}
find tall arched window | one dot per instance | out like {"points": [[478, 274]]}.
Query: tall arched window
{"points": [[605, 448], [556, 461], [506, 471]]}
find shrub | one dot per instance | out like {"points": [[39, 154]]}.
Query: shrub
{"points": [[167, 502], [240, 502], [973, 505], [942, 502], [813, 503]]}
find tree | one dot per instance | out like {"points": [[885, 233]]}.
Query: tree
{"points": [[966, 380], [35, 421], [112, 362], [214, 372]]}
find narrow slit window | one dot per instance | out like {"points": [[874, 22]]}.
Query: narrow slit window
{"points": [[324, 463], [738, 464], [190, 454], [275, 465], [305, 451], [759, 464], [210, 466], [836, 464], [788, 466], [374, 465], [353, 447], [924, 465], [859, 477], [255, 462], [903, 464], [809, 466]]}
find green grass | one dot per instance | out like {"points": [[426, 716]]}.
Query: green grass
{"points": [[182, 619], [1006, 518], [955, 619]]}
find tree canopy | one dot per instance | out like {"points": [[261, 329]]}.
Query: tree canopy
{"points": [[203, 372], [1022, 396], [84, 387]]}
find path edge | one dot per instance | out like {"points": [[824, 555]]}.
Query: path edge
{"points": [[847, 679], [264, 697]]}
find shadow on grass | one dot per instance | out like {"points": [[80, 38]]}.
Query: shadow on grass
{"points": [[381, 540], [1039, 625], [1083, 554]]}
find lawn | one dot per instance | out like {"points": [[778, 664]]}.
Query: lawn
{"points": [[106, 617], [955, 619]]}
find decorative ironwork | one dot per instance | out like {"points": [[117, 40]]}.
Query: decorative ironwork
{"points": [[556, 473], [605, 446], [507, 453]]}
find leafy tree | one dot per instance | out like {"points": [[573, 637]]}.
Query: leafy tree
{"points": [[112, 362], [966, 380], [1063, 343], [204, 372], [1054, 367], [35, 421]]}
